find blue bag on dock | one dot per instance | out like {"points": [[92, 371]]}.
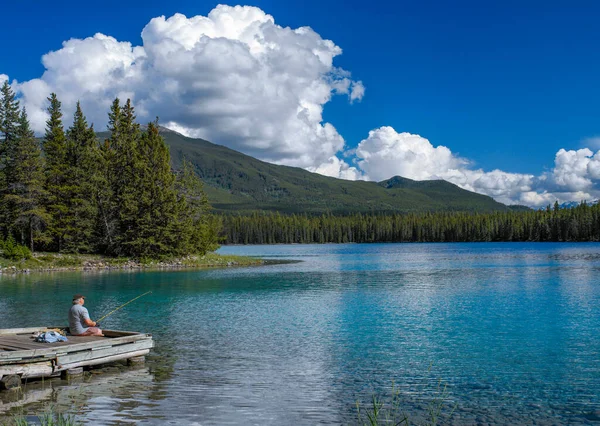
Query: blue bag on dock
{"points": [[50, 337]]}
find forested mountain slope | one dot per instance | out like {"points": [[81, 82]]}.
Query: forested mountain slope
{"points": [[235, 182]]}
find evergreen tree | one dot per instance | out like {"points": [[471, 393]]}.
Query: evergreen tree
{"points": [[55, 151], [108, 183], [200, 229], [9, 125], [151, 211], [25, 192], [123, 168], [9, 115], [105, 228], [80, 161]]}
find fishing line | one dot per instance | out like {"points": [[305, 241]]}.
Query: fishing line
{"points": [[123, 305]]}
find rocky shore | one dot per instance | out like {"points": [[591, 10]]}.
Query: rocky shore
{"points": [[44, 262]]}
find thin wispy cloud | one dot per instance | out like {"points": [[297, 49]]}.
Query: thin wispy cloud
{"points": [[591, 142]]}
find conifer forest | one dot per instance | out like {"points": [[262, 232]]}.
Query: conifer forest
{"points": [[74, 193], [581, 223]]}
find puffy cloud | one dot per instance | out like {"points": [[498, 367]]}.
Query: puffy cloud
{"points": [[357, 92], [337, 168], [234, 77], [576, 170], [92, 70], [502, 186], [3, 78], [385, 153]]}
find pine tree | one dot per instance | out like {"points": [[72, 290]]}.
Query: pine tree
{"points": [[152, 227], [25, 193], [105, 229], [9, 115], [55, 151], [200, 230], [80, 216], [108, 183], [123, 168], [9, 124]]}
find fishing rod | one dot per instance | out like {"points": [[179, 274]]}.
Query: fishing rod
{"points": [[123, 305]]}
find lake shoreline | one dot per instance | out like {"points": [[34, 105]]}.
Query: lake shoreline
{"points": [[58, 262]]}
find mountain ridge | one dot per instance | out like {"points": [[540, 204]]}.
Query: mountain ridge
{"points": [[236, 182]]}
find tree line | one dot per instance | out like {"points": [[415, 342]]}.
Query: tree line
{"points": [[581, 223], [71, 192]]}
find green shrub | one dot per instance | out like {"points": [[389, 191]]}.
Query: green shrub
{"points": [[12, 250], [67, 261]]}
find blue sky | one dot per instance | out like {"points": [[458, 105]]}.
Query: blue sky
{"points": [[503, 86]]}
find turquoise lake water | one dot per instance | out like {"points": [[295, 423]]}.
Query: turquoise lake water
{"points": [[511, 330]]}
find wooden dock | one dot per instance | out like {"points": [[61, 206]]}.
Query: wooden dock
{"points": [[23, 358]]}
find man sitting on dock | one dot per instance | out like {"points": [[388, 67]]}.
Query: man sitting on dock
{"points": [[80, 323]]}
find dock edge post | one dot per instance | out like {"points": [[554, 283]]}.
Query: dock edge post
{"points": [[71, 372], [11, 381], [136, 360]]}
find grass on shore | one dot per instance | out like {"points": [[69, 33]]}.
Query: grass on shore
{"points": [[43, 261]]}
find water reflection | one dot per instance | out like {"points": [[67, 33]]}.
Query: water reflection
{"points": [[87, 396]]}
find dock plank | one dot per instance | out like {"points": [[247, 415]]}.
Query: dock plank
{"points": [[74, 344], [30, 343], [9, 349], [18, 346], [104, 353], [20, 354]]}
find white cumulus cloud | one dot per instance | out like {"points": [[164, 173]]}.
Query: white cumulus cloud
{"points": [[576, 170], [234, 77], [337, 168], [386, 153]]}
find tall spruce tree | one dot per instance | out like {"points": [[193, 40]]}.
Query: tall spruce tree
{"points": [[199, 229], [105, 229], [153, 229], [9, 115], [25, 192], [128, 169], [55, 152], [107, 183], [122, 170], [9, 125], [80, 215]]}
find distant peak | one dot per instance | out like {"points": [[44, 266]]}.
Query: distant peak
{"points": [[571, 204], [396, 182], [167, 130], [163, 129]]}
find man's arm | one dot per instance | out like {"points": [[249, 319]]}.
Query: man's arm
{"points": [[89, 322], [86, 319]]}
